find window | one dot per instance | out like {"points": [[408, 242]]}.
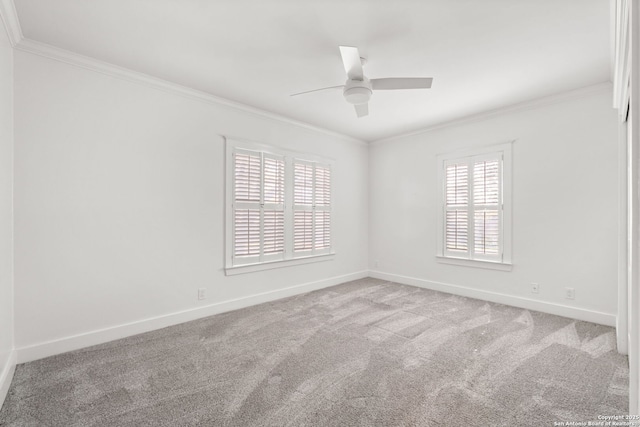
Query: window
{"points": [[278, 207], [474, 219]]}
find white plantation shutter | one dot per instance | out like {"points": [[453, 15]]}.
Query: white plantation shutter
{"points": [[457, 207], [273, 180], [258, 207], [302, 230], [322, 239], [322, 210], [486, 232], [273, 232], [303, 184], [487, 207], [311, 208], [302, 207], [323, 186], [456, 229], [273, 205], [473, 208], [246, 209], [247, 232], [247, 177]]}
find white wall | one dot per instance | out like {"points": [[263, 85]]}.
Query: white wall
{"points": [[565, 207], [6, 212], [119, 206]]}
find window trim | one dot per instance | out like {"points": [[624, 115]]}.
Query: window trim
{"points": [[506, 150], [268, 265], [289, 257]]}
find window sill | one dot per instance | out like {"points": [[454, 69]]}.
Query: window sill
{"points": [[250, 268], [490, 265]]}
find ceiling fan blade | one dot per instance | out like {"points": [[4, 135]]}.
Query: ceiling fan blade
{"points": [[352, 63], [316, 90], [392, 83], [362, 110]]}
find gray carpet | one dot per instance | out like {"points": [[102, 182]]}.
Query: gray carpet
{"points": [[364, 353]]}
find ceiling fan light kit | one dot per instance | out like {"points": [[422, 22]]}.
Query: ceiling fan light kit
{"points": [[358, 89]]}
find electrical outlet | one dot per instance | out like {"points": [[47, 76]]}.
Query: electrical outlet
{"points": [[570, 293], [535, 288], [202, 293]]}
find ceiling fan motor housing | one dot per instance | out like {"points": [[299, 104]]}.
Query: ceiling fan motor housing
{"points": [[357, 91]]}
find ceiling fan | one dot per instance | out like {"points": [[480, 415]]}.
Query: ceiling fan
{"points": [[357, 89]]}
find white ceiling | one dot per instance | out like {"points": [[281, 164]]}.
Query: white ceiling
{"points": [[482, 54]]}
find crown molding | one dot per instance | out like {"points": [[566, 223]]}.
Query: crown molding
{"points": [[522, 106], [92, 64], [11, 23]]}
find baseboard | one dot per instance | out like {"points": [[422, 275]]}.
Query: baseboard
{"points": [[75, 342], [529, 304], [6, 375]]}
